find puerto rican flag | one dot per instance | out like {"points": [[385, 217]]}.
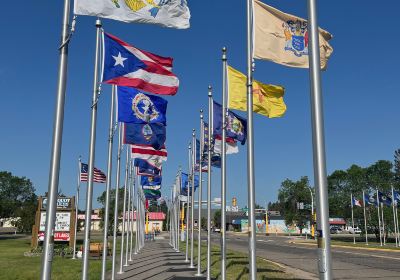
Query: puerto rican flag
{"points": [[125, 65], [357, 202]]}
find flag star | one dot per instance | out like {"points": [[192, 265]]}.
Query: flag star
{"points": [[119, 60]]}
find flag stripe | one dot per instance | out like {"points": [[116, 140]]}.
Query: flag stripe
{"points": [[143, 85]]}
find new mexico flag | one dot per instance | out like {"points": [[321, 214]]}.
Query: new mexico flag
{"points": [[267, 99]]}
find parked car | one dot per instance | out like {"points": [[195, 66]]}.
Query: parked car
{"points": [[355, 230], [335, 229]]}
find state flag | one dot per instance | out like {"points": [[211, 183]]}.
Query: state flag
{"points": [[370, 199], [385, 199], [283, 38], [267, 99], [152, 134], [150, 180], [167, 13], [148, 168], [137, 107], [147, 152], [152, 194], [125, 65], [356, 202]]}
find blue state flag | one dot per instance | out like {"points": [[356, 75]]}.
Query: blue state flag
{"points": [[150, 180], [396, 197], [186, 183], [137, 107], [370, 200], [385, 199], [153, 134], [236, 126], [146, 168]]}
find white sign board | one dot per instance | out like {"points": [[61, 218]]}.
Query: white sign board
{"points": [[62, 221]]}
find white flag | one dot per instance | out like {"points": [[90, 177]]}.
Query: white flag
{"points": [[231, 147], [167, 13], [283, 38]]}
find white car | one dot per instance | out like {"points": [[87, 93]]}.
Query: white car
{"points": [[355, 230]]}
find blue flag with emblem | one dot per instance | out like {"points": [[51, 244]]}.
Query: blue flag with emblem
{"points": [[137, 107], [185, 183], [236, 126], [370, 199], [385, 199], [150, 180], [215, 157], [396, 197], [146, 168], [153, 134]]}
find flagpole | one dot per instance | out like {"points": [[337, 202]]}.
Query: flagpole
{"points": [[128, 219], [383, 225], [187, 209], [250, 146], [397, 224], [394, 218], [209, 183], [200, 195], [108, 185], [114, 247], [48, 244], [123, 212], [352, 218], [92, 147], [137, 220], [365, 221], [317, 119], [77, 206], [223, 168], [379, 216], [178, 192], [133, 182], [192, 200]]}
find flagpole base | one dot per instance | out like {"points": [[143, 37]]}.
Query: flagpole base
{"points": [[120, 272], [187, 261], [198, 274], [192, 266]]}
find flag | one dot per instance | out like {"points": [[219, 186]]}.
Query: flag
{"points": [[186, 181], [150, 180], [147, 168], [167, 13], [283, 38], [215, 158], [147, 152], [356, 202], [125, 65], [236, 126], [383, 198], [155, 187], [153, 134], [152, 194], [267, 99], [231, 145], [199, 158], [396, 197], [98, 175], [137, 107], [370, 200]]}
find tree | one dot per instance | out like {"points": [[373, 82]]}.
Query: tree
{"points": [[290, 193], [217, 218], [17, 200], [102, 199]]}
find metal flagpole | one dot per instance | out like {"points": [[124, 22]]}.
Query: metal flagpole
{"points": [[124, 212], [128, 221], [133, 182], [192, 199], [108, 185], [394, 218], [187, 207], [317, 120], [379, 217], [77, 206], [223, 168], [169, 220], [178, 210], [200, 205], [352, 219], [397, 224], [89, 191], [250, 146], [383, 225], [365, 221], [48, 244], [209, 154], [115, 230]]}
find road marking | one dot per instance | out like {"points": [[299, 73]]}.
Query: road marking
{"points": [[368, 255], [261, 240]]}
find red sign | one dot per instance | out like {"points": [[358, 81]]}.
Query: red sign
{"points": [[58, 236]]}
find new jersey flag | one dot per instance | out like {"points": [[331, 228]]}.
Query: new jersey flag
{"points": [[153, 134], [167, 13], [236, 126], [267, 99], [283, 38], [125, 65], [137, 107]]}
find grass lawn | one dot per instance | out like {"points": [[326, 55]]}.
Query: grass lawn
{"points": [[14, 265], [237, 265]]}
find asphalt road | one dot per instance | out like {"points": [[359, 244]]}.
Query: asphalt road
{"points": [[347, 263]]}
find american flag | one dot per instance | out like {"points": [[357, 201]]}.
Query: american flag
{"points": [[98, 175]]}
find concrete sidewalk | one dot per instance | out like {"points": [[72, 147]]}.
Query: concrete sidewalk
{"points": [[158, 261]]}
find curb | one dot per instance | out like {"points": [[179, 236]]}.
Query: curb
{"points": [[349, 247]]}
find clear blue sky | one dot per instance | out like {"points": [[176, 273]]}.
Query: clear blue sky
{"points": [[360, 88]]}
